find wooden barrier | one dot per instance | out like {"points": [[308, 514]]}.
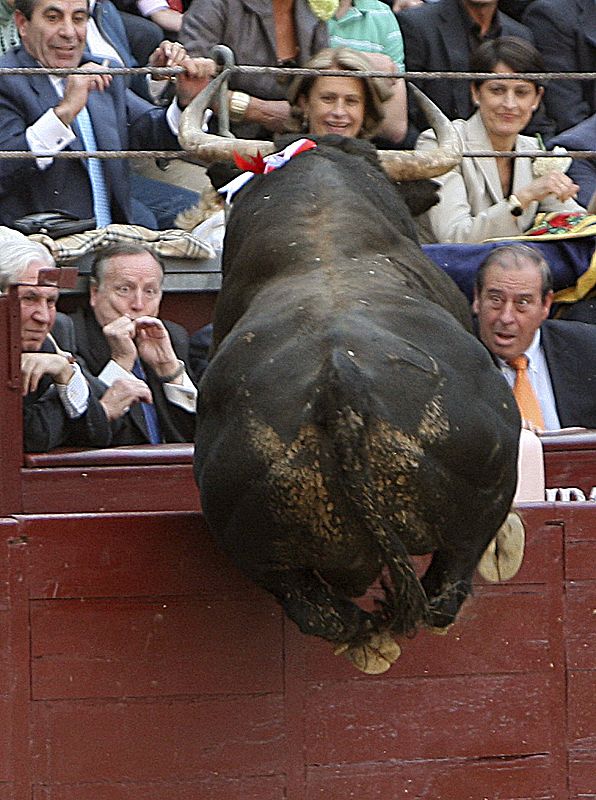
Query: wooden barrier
{"points": [[138, 664]]}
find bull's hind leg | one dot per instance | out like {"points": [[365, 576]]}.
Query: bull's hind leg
{"points": [[447, 582], [319, 611]]}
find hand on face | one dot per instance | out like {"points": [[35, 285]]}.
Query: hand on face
{"points": [[120, 335], [35, 365], [154, 345], [145, 338]]}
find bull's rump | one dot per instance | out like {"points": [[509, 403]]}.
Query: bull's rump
{"points": [[316, 426]]}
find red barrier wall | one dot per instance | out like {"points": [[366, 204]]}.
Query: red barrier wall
{"points": [[137, 664]]}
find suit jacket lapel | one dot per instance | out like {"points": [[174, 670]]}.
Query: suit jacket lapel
{"points": [[487, 167], [452, 31], [40, 85], [587, 21]]}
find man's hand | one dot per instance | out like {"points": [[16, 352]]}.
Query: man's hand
{"points": [[154, 345], [271, 114], [76, 92], [122, 394], [381, 63], [197, 74], [120, 335], [401, 5], [168, 54], [35, 365]]}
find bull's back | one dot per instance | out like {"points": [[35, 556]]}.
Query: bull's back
{"points": [[351, 409]]}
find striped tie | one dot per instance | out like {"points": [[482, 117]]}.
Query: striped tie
{"points": [[101, 200], [525, 396]]}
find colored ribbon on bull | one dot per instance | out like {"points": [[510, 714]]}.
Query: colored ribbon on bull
{"points": [[525, 396], [262, 166]]}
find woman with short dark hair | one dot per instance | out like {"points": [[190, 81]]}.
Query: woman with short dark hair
{"points": [[484, 198]]}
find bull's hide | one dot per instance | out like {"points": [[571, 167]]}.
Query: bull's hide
{"points": [[348, 416]]}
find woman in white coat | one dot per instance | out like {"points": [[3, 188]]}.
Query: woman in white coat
{"points": [[484, 198]]}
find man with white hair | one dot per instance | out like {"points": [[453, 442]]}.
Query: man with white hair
{"points": [[58, 407]]}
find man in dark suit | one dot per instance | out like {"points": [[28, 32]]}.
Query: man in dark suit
{"points": [[119, 335], [441, 37], [46, 115], [512, 300], [582, 170], [58, 407], [565, 34]]}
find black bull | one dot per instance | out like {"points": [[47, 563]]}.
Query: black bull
{"points": [[348, 416]]}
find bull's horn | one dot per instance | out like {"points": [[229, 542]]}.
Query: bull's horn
{"points": [[205, 148], [410, 165]]}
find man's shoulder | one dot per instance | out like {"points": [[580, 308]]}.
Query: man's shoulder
{"points": [[14, 58], [581, 334], [549, 8], [420, 16], [63, 332], [175, 330], [511, 27], [579, 137]]}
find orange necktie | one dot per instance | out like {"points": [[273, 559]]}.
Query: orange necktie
{"points": [[527, 402]]}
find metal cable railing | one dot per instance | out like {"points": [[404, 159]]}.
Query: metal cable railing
{"points": [[172, 72]]}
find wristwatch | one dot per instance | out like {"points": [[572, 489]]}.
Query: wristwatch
{"points": [[515, 207]]}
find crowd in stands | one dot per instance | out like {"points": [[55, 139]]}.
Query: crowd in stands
{"points": [[116, 373]]}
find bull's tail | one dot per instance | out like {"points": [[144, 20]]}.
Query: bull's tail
{"points": [[345, 415]]}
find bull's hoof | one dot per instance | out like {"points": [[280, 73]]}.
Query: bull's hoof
{"points": [[441, 631], [503, 557], [374, 657]]}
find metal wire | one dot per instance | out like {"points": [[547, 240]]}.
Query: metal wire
{"points": [[170, 72], [182, 154]]}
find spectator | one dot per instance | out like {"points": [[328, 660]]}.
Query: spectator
{"points": [[109, 34], [513, 8], [348, 106], [167, 14], [263, 33], [565, 34], [370, 27], [487, 197], [114, 119], [512, 300], [583, 170], [58, 407], [345, 106], [442, 37], [199, 346], [119, 335]]}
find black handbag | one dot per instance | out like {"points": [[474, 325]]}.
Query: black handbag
{"points": [[53, 223]]}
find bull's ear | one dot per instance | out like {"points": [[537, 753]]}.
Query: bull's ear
{"points": [[222, 172], [419, 195]]}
